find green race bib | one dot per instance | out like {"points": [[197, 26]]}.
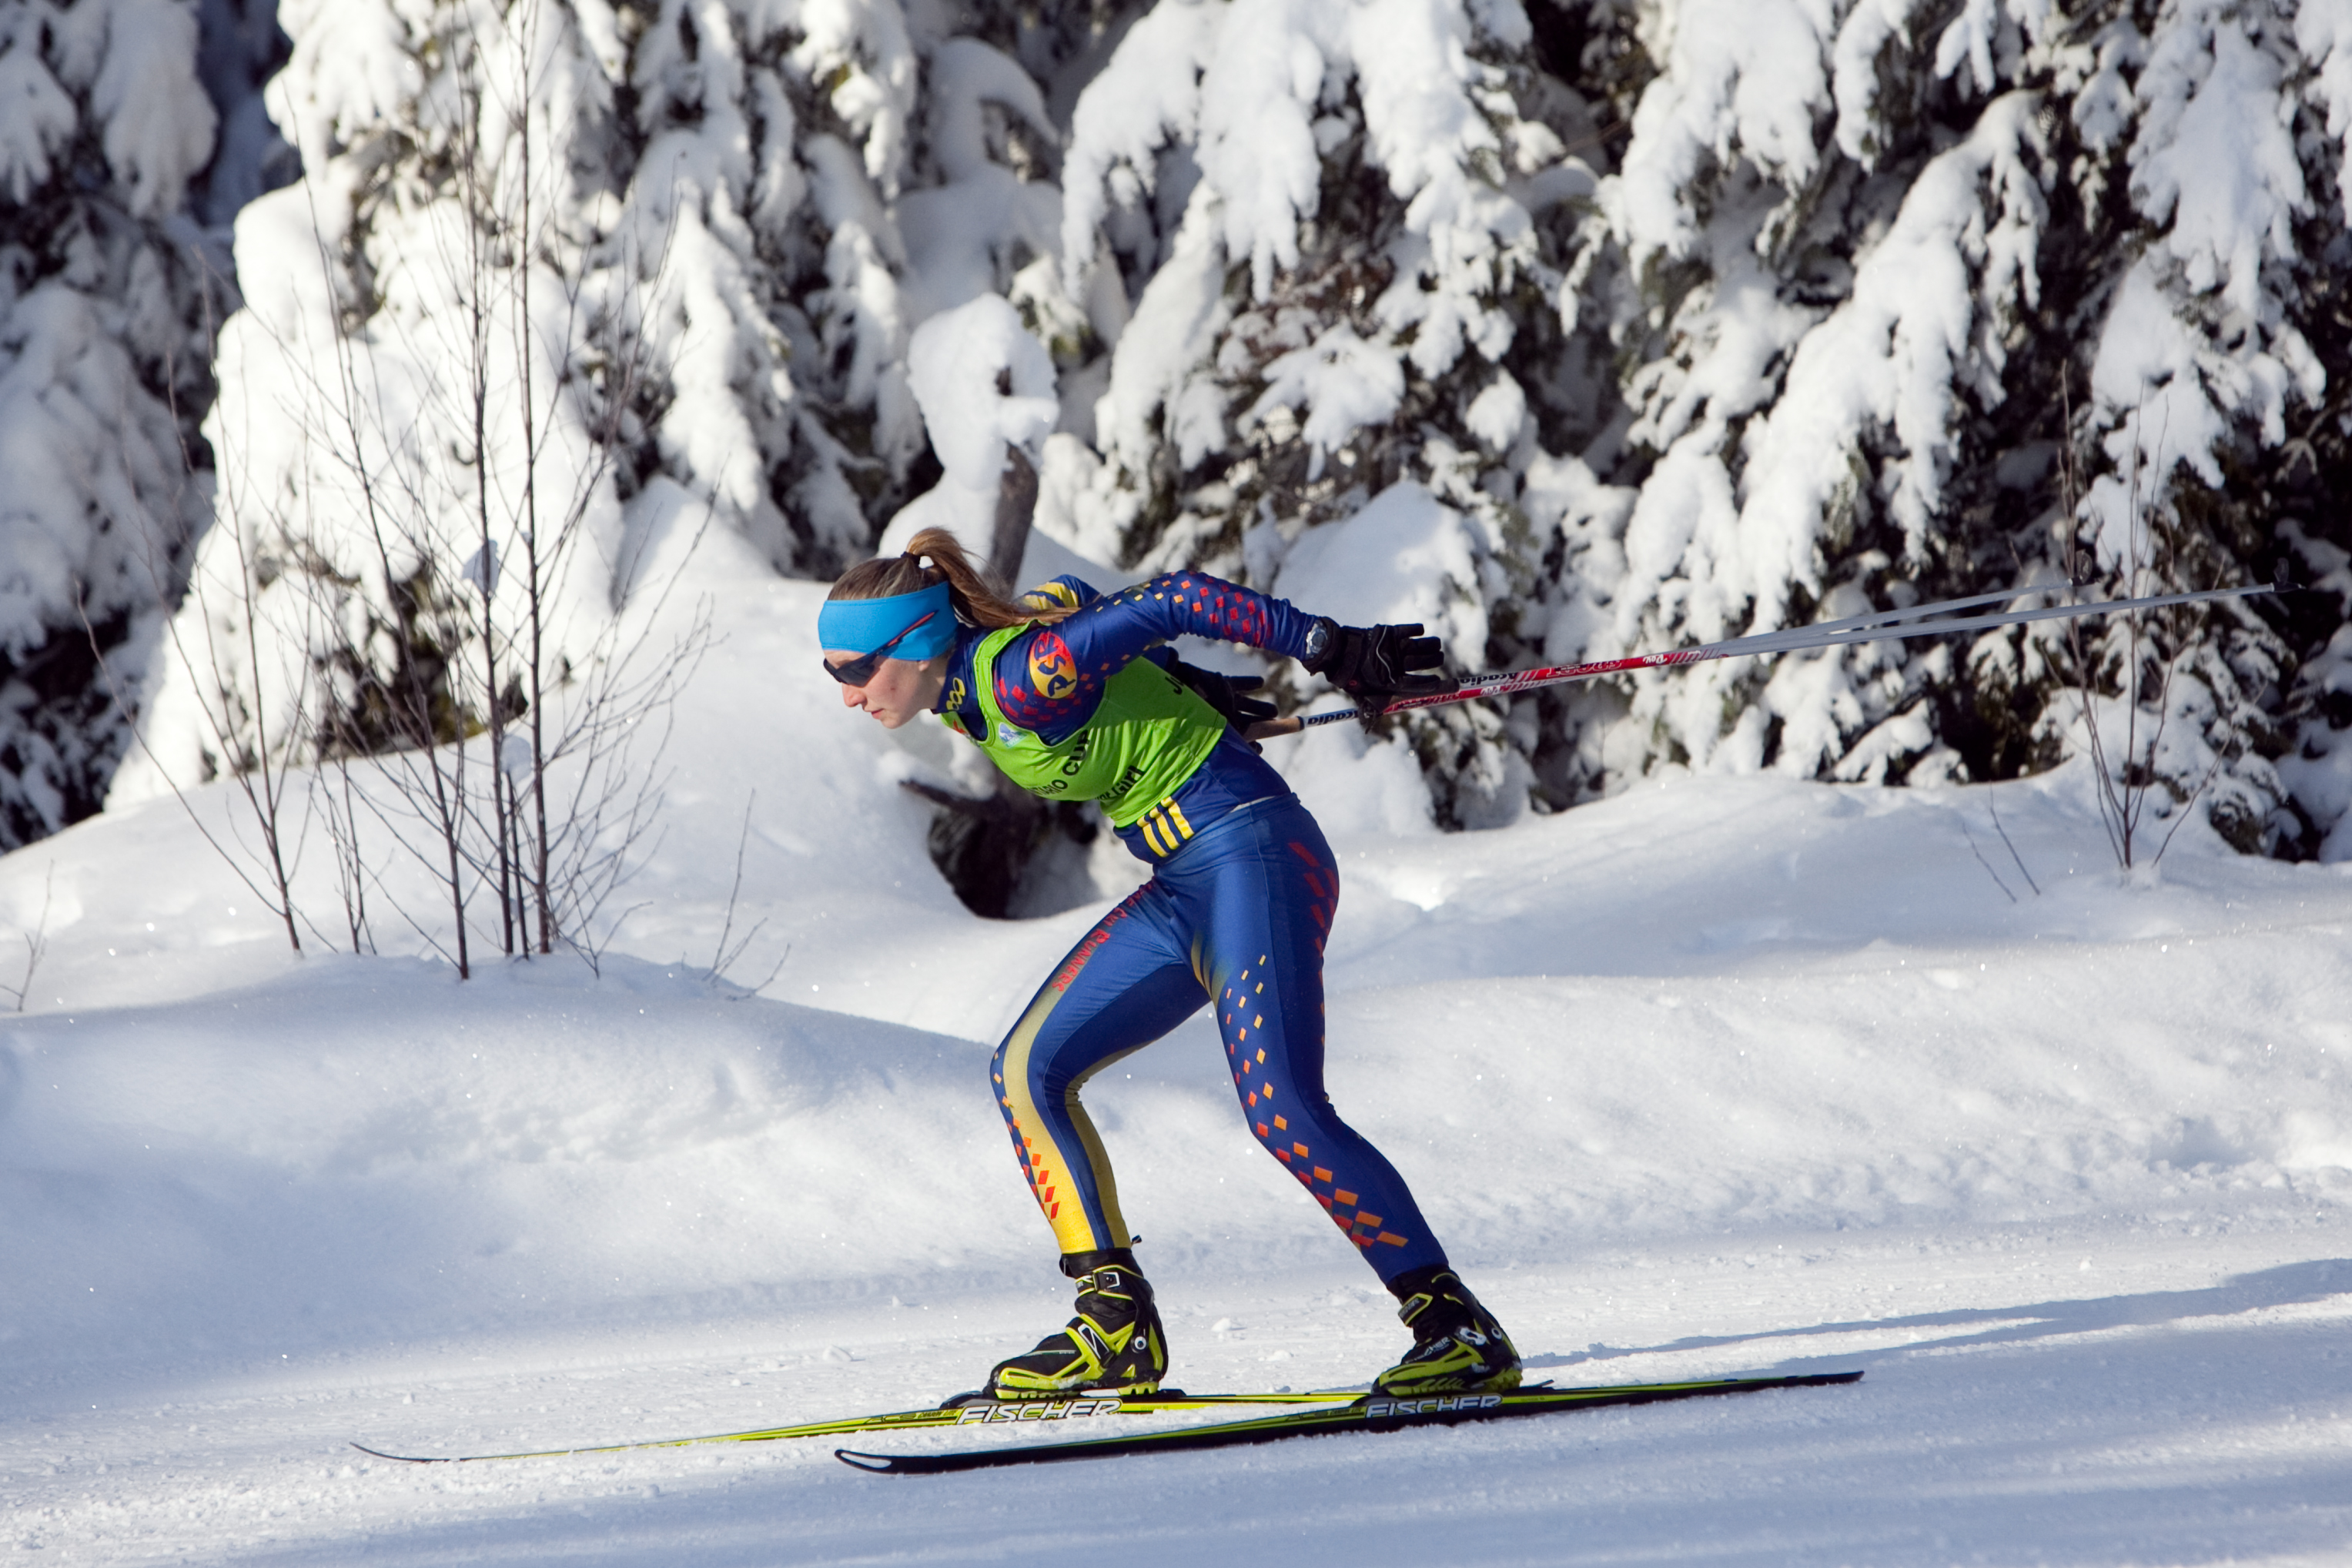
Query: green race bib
{"points": [[1148, 736]]}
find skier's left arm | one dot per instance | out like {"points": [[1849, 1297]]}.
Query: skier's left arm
{"points": [[1051, 678], [1371, 664], [1117, 628]]}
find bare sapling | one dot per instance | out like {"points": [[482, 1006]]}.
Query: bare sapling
{"points": [[399, 719], [36, 942], [2144, 655], [2017, 859], [573, 852], [387, 633], [723, 956], [2012, 846], [471, 448], [597, 780], [339, 804], [1968, 834]]}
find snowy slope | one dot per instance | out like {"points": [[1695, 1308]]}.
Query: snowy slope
{"points": [[1719, 1075]]}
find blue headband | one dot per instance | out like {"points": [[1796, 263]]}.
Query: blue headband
{"points": [[862, 625]]}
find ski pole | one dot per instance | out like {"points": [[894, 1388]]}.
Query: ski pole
{"points": [[1879, 625]]}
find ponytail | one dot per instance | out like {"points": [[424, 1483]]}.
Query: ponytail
{"points": [[976, 603]]}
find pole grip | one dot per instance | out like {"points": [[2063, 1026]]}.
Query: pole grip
{"points": [[1268, 728]]}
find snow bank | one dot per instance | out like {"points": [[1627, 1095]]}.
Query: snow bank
{"points": [[362, 1149]]}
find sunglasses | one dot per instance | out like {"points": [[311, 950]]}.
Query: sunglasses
{"points": [[858, 672]]}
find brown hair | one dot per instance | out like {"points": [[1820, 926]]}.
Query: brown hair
{"points": [[976, 602]]}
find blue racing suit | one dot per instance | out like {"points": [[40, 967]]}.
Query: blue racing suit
{"points": [[1235, 915]]}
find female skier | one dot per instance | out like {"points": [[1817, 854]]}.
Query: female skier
{"points": [[1070, 696]]}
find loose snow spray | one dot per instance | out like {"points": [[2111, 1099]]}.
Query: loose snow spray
{"points": [[1878, 625]]}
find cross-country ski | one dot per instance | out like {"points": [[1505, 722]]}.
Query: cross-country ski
{"points": [[975, 1412], [1369, 1414]]}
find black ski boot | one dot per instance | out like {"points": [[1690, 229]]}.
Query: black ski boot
{"points": [[1457, 1345], [1114, 1344]]}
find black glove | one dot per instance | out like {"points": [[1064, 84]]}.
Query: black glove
{"points": [[1374, 664], [1223, 693]]}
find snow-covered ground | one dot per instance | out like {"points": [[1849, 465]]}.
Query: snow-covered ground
{"points": [[1718, 1076]]}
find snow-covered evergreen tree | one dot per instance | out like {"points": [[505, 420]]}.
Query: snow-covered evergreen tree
{"points": [[106, 322], [1805, 339], [1872, 260], [1570, 328], [1341, 236]]}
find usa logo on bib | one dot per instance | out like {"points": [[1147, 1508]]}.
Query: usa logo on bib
{"points": [[1052, 671]]}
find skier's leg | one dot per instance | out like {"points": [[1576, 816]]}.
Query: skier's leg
{"points": [[1269, 894], [1125, 985], [1263, 890]]}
